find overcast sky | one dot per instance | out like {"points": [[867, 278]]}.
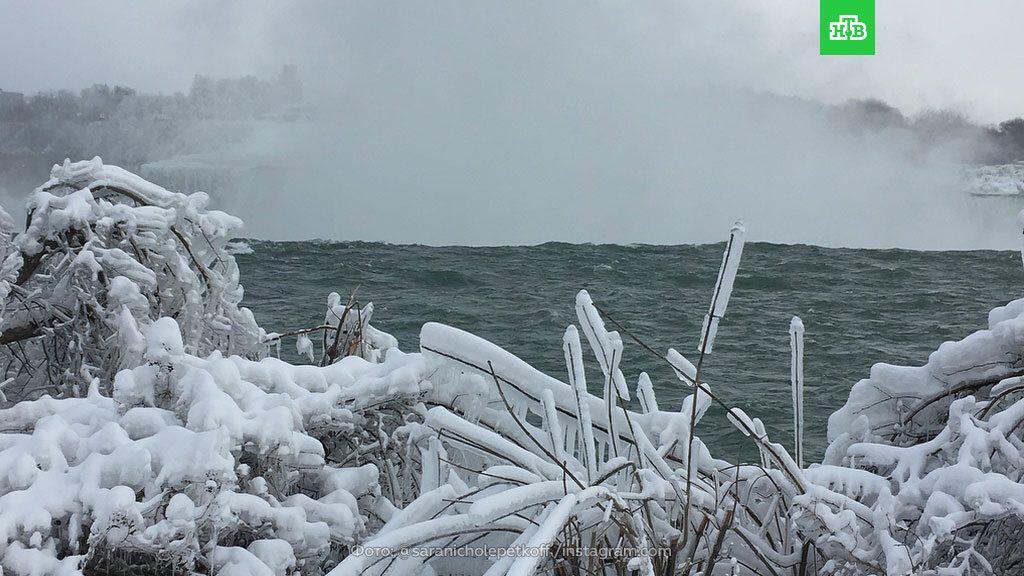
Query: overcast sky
{"points": [[956, 53], [523, 121]]}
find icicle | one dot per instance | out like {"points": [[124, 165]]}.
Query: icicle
{"points": [[570, 429], [554, 429], [430, 463], [93, 392], [578, 380], [1020, 224], [723, 287], [500, 568], [593, 328], [304, 346], [607, 346], [617, 378], [759, 429], [610, 398], [796, 343], [545, 536], [645, 393], [641, 563], [684, 369]]}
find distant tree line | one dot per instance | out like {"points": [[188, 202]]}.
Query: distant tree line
{"points": [[130, 129], [226, 98], [1002, 143], [1009, 137]]}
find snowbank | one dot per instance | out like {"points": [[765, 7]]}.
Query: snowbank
{"points": [[195, 463]]}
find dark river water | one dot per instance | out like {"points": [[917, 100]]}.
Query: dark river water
{"points": [[859, 307]]}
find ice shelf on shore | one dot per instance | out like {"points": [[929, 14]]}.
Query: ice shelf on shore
{"points": [[995, 180]]}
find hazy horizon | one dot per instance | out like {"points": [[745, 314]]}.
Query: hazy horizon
{"points": [[451, 123]]}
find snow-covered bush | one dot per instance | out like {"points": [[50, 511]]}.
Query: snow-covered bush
{"points": [[104, 255], [923, 475], [939, 454], [513, 459], [199, 464], [160, 442], [345, 331]]}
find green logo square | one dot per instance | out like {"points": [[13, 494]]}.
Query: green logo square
{"points": [[847, 27]]}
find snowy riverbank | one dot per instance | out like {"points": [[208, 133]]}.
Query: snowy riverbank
{"points": [[156, 433]]}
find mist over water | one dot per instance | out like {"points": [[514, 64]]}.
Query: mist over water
{"points": [[503, 129], [679, 167], [493, 123]]}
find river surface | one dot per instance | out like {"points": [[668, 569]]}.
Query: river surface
{"points": [[859, 307]]}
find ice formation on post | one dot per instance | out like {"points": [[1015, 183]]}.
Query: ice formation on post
{"points": [[162, 439], [723, 287], [796, 343]]}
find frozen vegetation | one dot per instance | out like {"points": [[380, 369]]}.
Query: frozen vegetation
{"points": [[147, 427]]}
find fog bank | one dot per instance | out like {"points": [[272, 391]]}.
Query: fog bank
{"points": [[497, 123]]}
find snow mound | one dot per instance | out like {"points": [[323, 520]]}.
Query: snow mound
{"points": [[218, 461]]}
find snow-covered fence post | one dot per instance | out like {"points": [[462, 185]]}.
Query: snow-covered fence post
{"points": [[796, 345]]}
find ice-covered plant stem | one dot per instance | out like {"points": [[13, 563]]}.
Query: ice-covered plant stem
{"points": [[796, 343]]}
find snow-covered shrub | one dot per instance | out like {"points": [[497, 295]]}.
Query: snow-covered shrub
{"points": [[923, 474], [938, 455], [104, 254], [512, 459], [161, 442], [200, 464], [345, 331]]}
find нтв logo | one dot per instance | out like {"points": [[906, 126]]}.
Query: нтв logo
{"points": [[847, 27]]}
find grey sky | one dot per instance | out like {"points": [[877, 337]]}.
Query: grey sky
{"points": [[485, 122], [956, 53]]}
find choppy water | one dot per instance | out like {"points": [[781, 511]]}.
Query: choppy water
{"points": [[859, 306]]}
